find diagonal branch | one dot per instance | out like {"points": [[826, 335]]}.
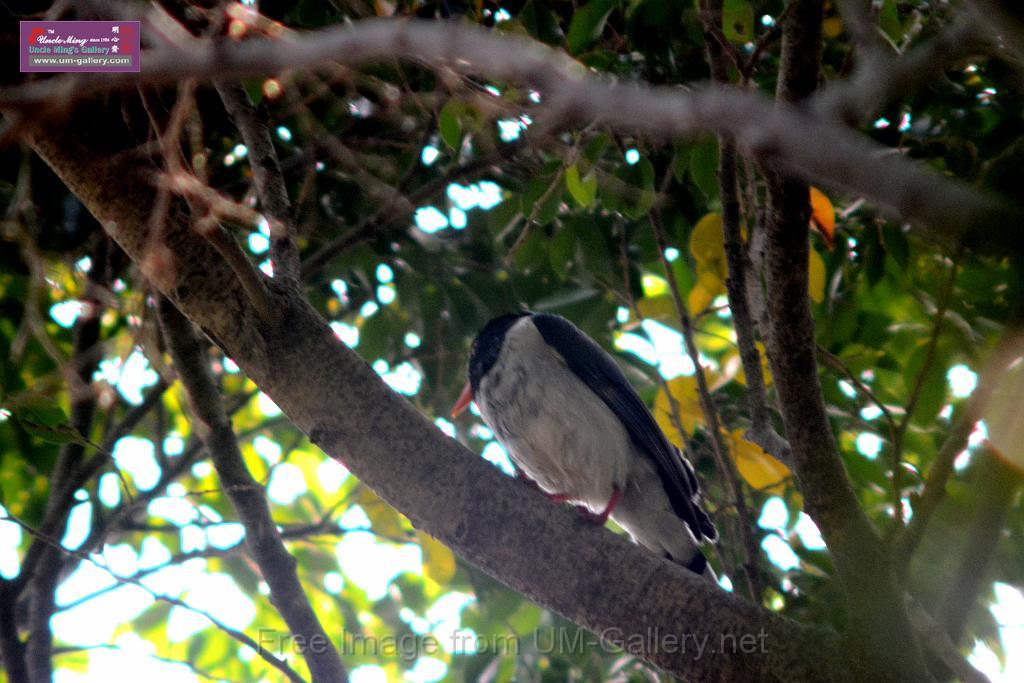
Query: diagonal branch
{"points": [[1006, 19], [279, 664], [595, 578], [269, 181], [942, 467], [942, 306], [247, 497]]}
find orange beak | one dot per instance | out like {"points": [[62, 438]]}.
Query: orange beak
{"points": [[465, 398]]}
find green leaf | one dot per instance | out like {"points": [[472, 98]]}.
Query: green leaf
{"points": [[561, 251], [932, 395], [889, 21], [588, 23], [583, 190], [704, 166], [449, 125], [738, 21], [541, 23]]}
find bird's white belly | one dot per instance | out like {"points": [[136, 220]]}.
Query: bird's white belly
{"points": [[558, 431]]}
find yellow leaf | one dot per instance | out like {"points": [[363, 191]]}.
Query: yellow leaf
{"points": [[760, 470], [823, 215], [709, 285], [707, 244], [438, 560], [698, 299], [654, 285], [816, 277], [384, 519], [832, 27], [656, 307], [684, 391]]}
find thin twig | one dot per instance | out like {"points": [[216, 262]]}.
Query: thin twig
{"points": [[943, 466], [719, 448], [761, 430], [915, 394], [240, 636], [247, 496]]}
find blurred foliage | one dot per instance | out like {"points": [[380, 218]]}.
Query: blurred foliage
{"points": [[550, 222]]}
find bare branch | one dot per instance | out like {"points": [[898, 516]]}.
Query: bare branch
{"points": [[247, 497], [878, 620], [723, 457], [761, 430], [826, 152], [1006, 18], [266, 170], [942, 467], [597, 579], [240, 636], [915, 393], [938, 643], [997, 483], [882, 78], [12, 650]]}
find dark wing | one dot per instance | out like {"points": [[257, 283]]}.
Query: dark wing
{"points": [[599, 372]]}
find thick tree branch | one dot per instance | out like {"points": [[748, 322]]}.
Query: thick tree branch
{"points": [[269, 181], [878, 620], [593, 577], [881, 78], [816, 149], [247, 497]]}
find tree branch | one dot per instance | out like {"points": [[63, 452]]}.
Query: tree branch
{"points": [[723, 457], [878, 621], [269, 181], [12, 650], [1006, 19], [915, 393], [942, 467], [814, 148], [761, 430], [247, 497], [593, 577], [240, 636]]}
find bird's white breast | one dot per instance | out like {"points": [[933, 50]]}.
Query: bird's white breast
{"points": [[558, 431]]}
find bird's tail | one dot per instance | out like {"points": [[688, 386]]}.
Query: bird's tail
{"points": [[698, 564]]}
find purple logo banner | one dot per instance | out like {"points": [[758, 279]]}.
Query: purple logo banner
{"points": [[80, 46]]}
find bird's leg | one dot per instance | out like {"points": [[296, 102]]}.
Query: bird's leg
{"points": [[602, 517]]}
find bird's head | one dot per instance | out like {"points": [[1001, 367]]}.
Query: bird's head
{"points": [[483, 355]]}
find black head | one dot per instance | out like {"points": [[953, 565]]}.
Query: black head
{"points": [[487, 346]]}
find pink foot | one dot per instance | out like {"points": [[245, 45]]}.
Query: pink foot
{"points": [[600, 519], [553, 497]]}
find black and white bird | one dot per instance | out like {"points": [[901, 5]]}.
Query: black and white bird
{"points": [[574, 425]]}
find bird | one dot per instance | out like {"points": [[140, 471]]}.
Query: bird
{"points": [[574, 426]]}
